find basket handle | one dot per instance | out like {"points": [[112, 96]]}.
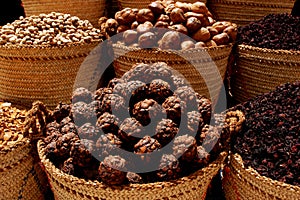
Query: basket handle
{"points": [[36, 120]]}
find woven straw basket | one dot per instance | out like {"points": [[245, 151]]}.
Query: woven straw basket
{"points": [[144, 3], [242, 12], [21, 177], [65, 186], [190, 63], [29, 73], [260, 70], [240, 183], [91, 10]]}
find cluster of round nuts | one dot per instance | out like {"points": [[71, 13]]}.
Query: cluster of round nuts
{"points": [[49, 29], [161, 23]]}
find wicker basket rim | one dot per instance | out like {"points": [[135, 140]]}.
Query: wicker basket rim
{"points": [[6, 149], [24, 46], [265, 179], [98, 184], [194, 50], [266, 50]]}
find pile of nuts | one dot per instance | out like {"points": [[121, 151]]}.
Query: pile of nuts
{"points": [[149, 113], [270, 139], [274, 31], [161, 23], [52, 29], [11, 125]]}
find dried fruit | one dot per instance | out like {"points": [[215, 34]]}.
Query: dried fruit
{"points": [[185, 148], [169, 168], [81, 94], [165, 131], [108, 123]]}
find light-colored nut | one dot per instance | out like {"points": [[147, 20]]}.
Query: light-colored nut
{"points": [[221, 39], [202, 35]]}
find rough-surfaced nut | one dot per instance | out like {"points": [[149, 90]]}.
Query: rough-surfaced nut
{"points": [[145, 27], [147, 40], [180, 28], [199, 7], [111, 26], [125, 16], [177, 16], [221, 39], [144, 15], [232, 32], [183, 6], [130, 36], [188, 44], [193, 24], [170, 40], [156, 7], [202, 35]]}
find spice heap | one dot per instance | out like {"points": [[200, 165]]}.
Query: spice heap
{"points": [[274, 31], [159, 26], [52, 29], [269, 141], [11, 125], [161, 116]]}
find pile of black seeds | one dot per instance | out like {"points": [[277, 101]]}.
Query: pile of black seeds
{"points": [[270, 139], [274, 31]]}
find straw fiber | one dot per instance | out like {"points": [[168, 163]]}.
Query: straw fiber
{"points": [[65, 186], [91, 10], [20, 176], [244, 184], [144, 3], [260, 70], [204, 68], [30, 73], [242, 12]]}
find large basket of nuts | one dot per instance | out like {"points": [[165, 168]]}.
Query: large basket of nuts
{"points": [[243, 12], [183, 35], [266, 57], [21, 175], [85, 9], [40, 57], [132, 140], [264, 163]]}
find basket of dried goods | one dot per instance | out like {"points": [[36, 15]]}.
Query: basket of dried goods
{"points": [[267, 55], [20, 172], [40, 56], [243, 12], [132, 140], [145, 3], [85, 9], [264, 159], [183, 35]]}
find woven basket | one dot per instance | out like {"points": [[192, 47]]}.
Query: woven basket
{"points": [[29, 73], [91, 10], [208, 61], [21, 177], [242, 12], [65, 186], [240, 183], [260, 70], [144, 3]]}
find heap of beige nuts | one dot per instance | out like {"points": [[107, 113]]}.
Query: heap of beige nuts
{"points": [[141, 27], [48, 29]]}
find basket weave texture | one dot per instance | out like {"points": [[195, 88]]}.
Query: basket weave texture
{"points": [[65, 186], [30, 73], [21, 177], [244, 184], [260, 70], [242, 12], [91, 10], [144, 3], [189, 63]]}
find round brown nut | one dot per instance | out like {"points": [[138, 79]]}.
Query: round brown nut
{"points": [[111, 26], [177, 16], [125, 16], [164, 18], [161, 28], [180, 28], [130, 36], [161, 24], [144, 15], [156, 7], [199, 7], [193, 24], [212, 31], [170, 40], [187, 45], [147, 40], [232, 32], [221, 39], [220, 26], [199, 45], [183, 6], [134, 25], [202, 35], [211, 43], [201, 17], [122, 28], [145, 27], [169, 8]]}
